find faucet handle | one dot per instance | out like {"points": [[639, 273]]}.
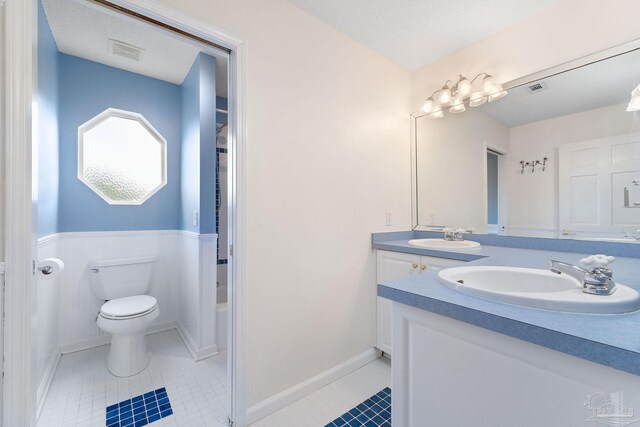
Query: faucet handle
{"points": [[597, 261]]}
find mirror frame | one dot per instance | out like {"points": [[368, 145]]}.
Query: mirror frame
{"points": [[580, 62]]}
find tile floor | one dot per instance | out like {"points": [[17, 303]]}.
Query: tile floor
{"points": [[330, 402], [373, 412], [82, 387]]}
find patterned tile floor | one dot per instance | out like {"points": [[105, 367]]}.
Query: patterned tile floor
{"points": [[140, 410], [83, 388], [373, 412], [328, 403]]}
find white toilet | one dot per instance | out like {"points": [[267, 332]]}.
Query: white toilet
{"points": [[127, 312]]}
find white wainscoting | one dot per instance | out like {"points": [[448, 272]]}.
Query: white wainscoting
{"points": [[197, 314], [47, 322], [184, 284]]}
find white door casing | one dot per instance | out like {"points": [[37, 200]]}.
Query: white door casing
{"points": [[20, 54]]}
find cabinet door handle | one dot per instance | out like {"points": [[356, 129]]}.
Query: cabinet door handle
{"points": [[423, 267], [414, 265]]}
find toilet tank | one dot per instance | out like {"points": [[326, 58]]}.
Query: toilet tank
{"points": [[121, 277]]}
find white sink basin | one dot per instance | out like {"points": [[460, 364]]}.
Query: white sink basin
{"points": [[537, 288], [444, 244]]}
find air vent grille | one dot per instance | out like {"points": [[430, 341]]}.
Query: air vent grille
{"points": [[536, 87], [125, 50]]}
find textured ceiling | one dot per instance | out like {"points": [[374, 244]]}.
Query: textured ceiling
{"points": [[414, 33], [84, 30]]}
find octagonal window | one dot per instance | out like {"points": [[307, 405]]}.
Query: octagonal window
{"points": [[122, 157]]}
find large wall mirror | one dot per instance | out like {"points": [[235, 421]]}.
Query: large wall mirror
{"points": [[558, 157]]}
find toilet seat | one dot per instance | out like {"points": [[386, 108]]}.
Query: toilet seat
{"points": [[128, 307]]}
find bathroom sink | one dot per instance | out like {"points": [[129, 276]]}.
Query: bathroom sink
{"points": [[444, 244], [538, 289]]}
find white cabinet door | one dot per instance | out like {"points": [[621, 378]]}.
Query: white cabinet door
{"points": [[391, 266]]}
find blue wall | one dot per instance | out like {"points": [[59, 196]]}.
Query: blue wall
{"points": [[47, 133], [190, 165], [198, 146], [492, 188], [85, 90]]}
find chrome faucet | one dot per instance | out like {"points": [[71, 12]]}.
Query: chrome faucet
{"points": [[453, 234], [597, 280], [635, 235]]}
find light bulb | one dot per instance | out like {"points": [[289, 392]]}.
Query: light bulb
{"points": [[427, 106], [477, 99], [634, 104], [457, 105], [488, 85], [464, 87], [444, 96], [498, 93], [436, 115]]}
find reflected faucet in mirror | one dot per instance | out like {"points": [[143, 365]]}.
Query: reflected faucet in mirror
{"points": [[453, 234]]}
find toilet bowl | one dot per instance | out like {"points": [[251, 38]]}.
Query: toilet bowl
{"points": [[127, 320], [127, 312]]}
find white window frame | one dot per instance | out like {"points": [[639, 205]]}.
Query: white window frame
{"points": [[129, 115]]}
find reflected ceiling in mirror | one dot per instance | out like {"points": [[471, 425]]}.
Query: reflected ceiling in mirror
{"points": [[558, 157]]}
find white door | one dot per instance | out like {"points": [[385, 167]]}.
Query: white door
{"points": [[391, 266], [595, 178]]}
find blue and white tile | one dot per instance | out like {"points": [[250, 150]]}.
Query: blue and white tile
{"points": [[83, 388], [330, 402]]}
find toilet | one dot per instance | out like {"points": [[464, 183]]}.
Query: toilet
{"points": [[127, 311]]}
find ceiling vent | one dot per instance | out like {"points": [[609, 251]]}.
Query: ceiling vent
{"points": [[125, 50], [536, 87]]}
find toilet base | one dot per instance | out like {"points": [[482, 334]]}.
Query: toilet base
{"points": [[128, 354]]}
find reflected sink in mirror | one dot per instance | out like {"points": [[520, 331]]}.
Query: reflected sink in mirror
{"points": [[444, 244], [536, 288]]}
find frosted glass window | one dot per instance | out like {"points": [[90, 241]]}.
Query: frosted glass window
{"points": [[121, 157]]}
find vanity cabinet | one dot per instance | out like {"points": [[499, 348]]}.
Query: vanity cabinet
{"points": [[394, 266]]}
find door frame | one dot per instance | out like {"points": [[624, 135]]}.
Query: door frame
{"points": [[20, 52]]}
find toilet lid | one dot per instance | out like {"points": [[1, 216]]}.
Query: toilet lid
{"points": [[128, 306]]}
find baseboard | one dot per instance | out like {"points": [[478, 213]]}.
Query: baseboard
{"points": [[104, 339], [287, 397], [189, 342], [45, 385]]}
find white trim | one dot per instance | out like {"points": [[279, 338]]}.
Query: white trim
{"points": [[45, 385], [20, 54], [129, 115], [42, 241], [287, 397], [119, 233], [21, 62], [189, 342], [105, 338], [46, 240]]}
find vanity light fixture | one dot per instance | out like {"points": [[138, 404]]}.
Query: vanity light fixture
{"points": [[634, 103], [454, 95]]}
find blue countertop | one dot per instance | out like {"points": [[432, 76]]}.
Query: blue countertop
{"points": [[611, 340]]}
